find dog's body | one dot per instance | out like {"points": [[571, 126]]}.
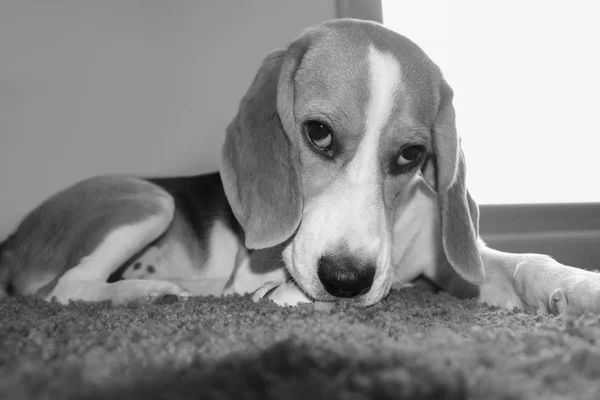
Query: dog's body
{"points": [[343, 168]]}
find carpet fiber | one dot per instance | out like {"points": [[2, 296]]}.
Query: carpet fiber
{"points": [[414, 345]]}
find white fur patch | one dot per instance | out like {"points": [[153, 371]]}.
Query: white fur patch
{"points": [[384, 78]]}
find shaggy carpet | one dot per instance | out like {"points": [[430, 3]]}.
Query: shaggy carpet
{"points": [[414, 345]]}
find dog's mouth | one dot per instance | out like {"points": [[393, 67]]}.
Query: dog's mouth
{"points": [[323, 300]]}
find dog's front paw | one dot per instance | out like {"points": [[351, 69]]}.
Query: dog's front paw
{"points": [[283, 294], [580, 296], [548, 286], [124, 292]]}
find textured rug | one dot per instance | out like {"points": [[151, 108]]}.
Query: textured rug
{"points": [[415, 345]]}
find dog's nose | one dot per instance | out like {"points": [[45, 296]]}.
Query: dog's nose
{"points": [[345, 276]]}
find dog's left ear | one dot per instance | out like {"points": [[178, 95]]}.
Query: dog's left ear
{"points": [[459, 214]]}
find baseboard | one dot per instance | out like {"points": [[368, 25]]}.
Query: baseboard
{"points": [[568, 232]]}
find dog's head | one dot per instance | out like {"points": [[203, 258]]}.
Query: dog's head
{"points": [[330, 135]]}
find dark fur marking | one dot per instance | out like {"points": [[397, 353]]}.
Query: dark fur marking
{"points": [[150, 268], [137, 265], [200, 200], [10, 289]]}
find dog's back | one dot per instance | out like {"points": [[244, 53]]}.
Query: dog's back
{"points": [[68, 227]]}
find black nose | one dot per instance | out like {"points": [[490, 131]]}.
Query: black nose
{"points": [[345, 276]]}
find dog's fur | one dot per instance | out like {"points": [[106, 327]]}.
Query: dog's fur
{"points": [[346, 221]]}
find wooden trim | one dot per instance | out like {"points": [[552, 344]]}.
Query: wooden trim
{"points": [[508, 218], [360, 9], [568, 232]]}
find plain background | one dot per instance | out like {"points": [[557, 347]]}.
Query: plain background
{"points": [[526, 80], [124, 86]]}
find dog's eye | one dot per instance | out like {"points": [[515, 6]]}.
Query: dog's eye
{"points": [[410, 155], [319, 133]]}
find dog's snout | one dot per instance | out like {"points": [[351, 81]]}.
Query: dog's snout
{"points": [[345, 276]]}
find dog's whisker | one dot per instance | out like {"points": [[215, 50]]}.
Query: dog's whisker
{"points": [[277, 265]]}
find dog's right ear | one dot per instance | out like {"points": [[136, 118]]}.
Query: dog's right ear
{"points": [[260, 165], [459, 214]]}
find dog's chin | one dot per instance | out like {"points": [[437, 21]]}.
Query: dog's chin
{"points": [[320, 295], [362, 301]]}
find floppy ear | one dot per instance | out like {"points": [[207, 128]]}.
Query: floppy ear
{"points": [[459, 214], [260, 158]]}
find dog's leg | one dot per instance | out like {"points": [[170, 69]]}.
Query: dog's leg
{"points": [[284, 294], [538, 283], [87, 280], [263, 274], [259, 269]]}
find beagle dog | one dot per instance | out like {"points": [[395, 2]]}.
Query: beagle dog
{"points": [[342, 175]]}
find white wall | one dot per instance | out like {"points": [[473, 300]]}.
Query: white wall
{"points": [[124, 86], [525, 75]]}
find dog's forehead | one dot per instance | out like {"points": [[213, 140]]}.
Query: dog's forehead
{"points": [[336, 71]]}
